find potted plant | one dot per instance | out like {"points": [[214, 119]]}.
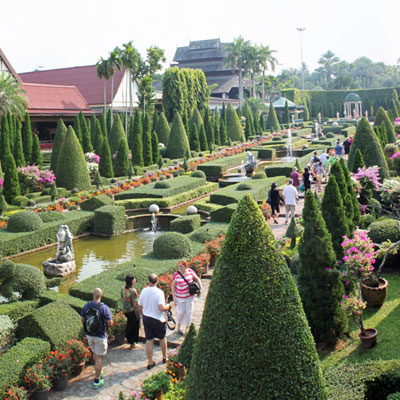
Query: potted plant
{"points": [[117, 330], [79, 354], [155, 386], [37, 380], [17, 393], [359, 259], [59, 365], [174, 367]]}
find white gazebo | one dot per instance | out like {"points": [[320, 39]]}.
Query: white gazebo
{"points": [[352, 106]]}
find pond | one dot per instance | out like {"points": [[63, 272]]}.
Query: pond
{"points": [[95, 254]]}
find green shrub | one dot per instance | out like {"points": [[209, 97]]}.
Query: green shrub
{"points": [[198, 174], [244, 186], [208, 232], [49, 296], [223, 214], [172, 245], [162, 129], [394, 396], [59, 138], [186, 350], [72, 171], [55, 323], [217, 167], [272, 120], [109, 220], [24, 221], [366, 220], [277, 138], [275, 321], [266, 154], [116, 135], [347, 132], [330, 135], [14, 363], [162, 185], [51, 216], [390, 149], [20, 201], [96, 202], [259, 175], [235, 129], [382, 117], [6, 333], [19, 308], [384, 229], [185, 224], [178, 144]]}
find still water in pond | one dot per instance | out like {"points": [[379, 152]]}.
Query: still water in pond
{"points": [[94, 254]]}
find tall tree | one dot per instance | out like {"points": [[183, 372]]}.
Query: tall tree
{"points": [[103, 72], [202, 138], [137, 148], [86, 141], [146, 140], [77, 128], [18, 151], [223, 133], [328, 60], [178, 143], [27, 139], [265, 57], [103, 124], [59, 138], [122, 161], [194, 142], [235, 129], [113, 61], [11, 187], [98, 137], [174, 92], [12, 96], [162, 129], [380, 117], [208, 128], [117, 135], [155, 147], [5, 147], [105, 165], [350, 189], [272, 119], [37, 158]]}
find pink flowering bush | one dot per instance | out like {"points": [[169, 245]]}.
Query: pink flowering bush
{"points": [[368, 179], [354, 307], [396, 160], [33, 179], [92, 158]]}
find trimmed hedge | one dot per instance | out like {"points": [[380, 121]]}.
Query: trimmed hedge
{"points": [[223, 214], [24, 221], [172, 245], [347, 132], [198, 174], [169, 201], [55, 323], [51, 216], [20, 201], [96, 202], [219, 166], [208, 232], [384, 229], [185, 224], [49, 296], [79, 222], [14, 363], [259, 175], [265, 153], [162, 185], [109, 220], [6, 333], [177, 185], [284, 169], [205, 205], [18, 309]]}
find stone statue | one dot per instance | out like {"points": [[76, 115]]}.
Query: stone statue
{"points": [[366, 114], [293, 121], [64, 262], [337, 115], [251, 163], [319, 117]]}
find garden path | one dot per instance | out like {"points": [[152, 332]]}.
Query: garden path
{"points": [[125, 370]]}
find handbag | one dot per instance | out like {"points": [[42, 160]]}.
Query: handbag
{"points": [[194, 287]]}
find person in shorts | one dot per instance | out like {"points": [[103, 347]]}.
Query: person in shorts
{"points": [[98, 341], [152, 306]]}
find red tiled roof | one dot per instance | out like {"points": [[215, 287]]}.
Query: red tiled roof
{"points": [[54, 99], [84, 78]]}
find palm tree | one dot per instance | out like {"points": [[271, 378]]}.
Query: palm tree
{"points": [[251, 65], [236, 59], [103, 72], [327, 60], [265, 57], [12, 97], [113, 61]]}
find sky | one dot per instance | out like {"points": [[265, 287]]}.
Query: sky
{"points": [[49, 34]]}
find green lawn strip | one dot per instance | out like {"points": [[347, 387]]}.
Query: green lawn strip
{"points": [[219, 166], [169, 201]]}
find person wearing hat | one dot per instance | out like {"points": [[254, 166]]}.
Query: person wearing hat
{"points": [[274, 198]]}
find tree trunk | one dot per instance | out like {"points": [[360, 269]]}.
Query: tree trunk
{"points": [[240, 86], [253, 77], [105, 95], [112, 97], [263, 84]]}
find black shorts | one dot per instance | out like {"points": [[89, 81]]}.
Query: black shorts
{"points": [[154, 328], [274, 208]]}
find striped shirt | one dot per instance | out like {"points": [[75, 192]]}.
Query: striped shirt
{"points": [[181, 287]]}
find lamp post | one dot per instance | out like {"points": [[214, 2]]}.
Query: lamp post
{"points": [[301, 52]]}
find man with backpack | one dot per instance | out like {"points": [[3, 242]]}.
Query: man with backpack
{"points": [[95, 317]]}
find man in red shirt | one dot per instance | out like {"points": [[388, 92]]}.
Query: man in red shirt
{"points": [[294, 175]]}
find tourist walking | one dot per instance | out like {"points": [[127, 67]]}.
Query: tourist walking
{"points": [[290, 195], [320, 175], [129, 306], [274, 199], [294, 175], [183, 300], [306, 179], [152, 306], [339, 149], [95, 317], [346, 146]]}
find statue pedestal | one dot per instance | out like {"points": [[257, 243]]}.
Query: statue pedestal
{"points": [[54, 268]]}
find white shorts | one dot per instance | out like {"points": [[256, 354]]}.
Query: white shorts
{"points": [[98, 345]]}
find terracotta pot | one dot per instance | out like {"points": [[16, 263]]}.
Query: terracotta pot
{"points": [[158, 395], [119, 338], [374, 296], [59, 384], [368, 340], [180, 372], [77, 370], [41, 394]]}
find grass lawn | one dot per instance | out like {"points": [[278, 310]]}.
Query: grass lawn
{"points": [[385, 319]]}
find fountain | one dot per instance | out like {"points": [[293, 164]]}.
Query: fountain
{"points": [[64, 262], [153, 223]]}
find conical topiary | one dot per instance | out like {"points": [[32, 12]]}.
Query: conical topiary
{"points": [[380, 117], [262, 123], [98, 137], [155, 120], [37, 158], [105, 164], [27, 139], [92, 128], [131, 132], [59, 138], [72, 171], [235, 129], [122, 162], [3, 204], [292, 232], [194, 142], [155, 148], [53, 191], [306, 113], [186, 350], [216, 125], [358, 161], [5, 148], [146, 141], [18, 150], [209, 131], [162, 129], [117, 134], [195, 119], [282, 354], [86, 140], [178, 144], [320, 285], [130, 170], [11, 187], [381, 133], [103, 124], [97, 179], [223, 133], [137, 150], [366, 141], [77, 128], [272, 120], [350, 189], [203, 138], [334, 216]]}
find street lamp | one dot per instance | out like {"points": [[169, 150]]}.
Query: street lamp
{"points": [[301, 49]]}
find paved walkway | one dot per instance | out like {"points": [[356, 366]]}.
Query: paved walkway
{"points": [[125, 370]]}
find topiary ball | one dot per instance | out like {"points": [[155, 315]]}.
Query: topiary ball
{"points": [[24, 221], [385, 229], [74, 191], [113, 180], [259, 175], [330, 135], [30, 203], [198, 174], [162, 185], [244, 186], [172, 245]]}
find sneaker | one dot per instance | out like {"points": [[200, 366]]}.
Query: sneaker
{"points": [[101, 373], [99, 384]]}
